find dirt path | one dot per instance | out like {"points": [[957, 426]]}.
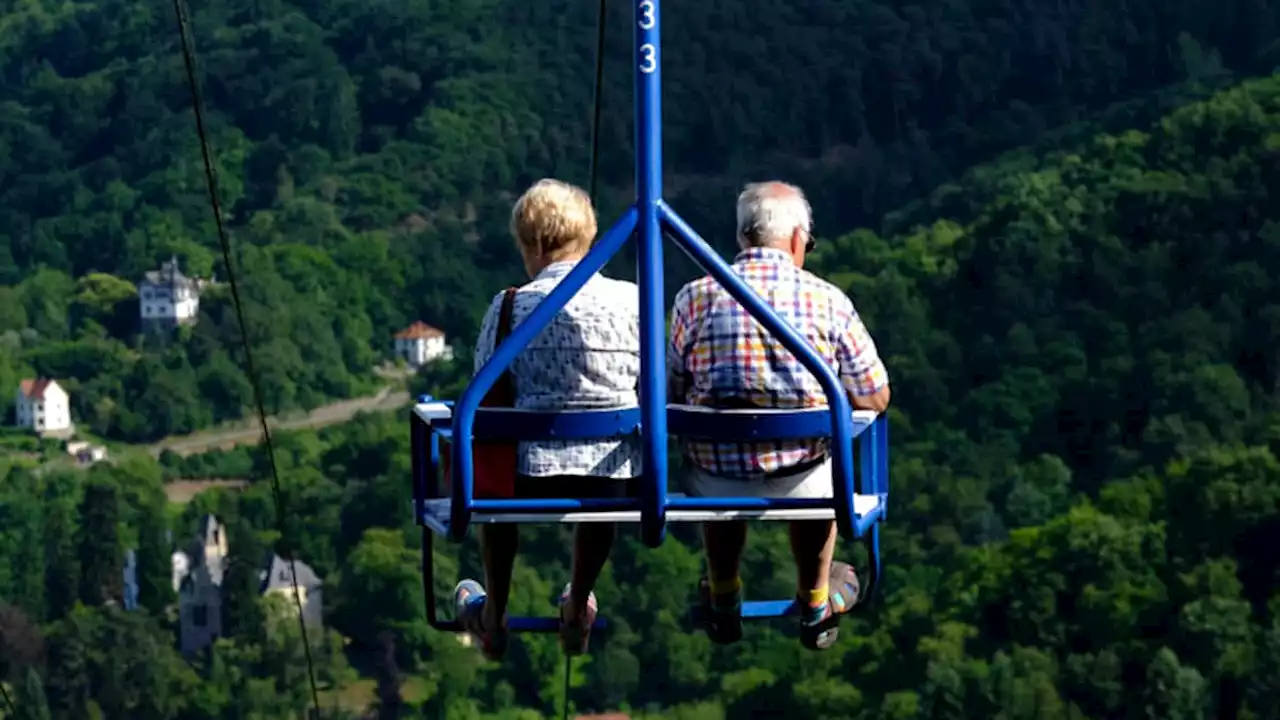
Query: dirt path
{"points": [[180, 492], [250, 433]]}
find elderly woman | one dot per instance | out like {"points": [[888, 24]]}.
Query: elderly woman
{"points": [[588, 357]]}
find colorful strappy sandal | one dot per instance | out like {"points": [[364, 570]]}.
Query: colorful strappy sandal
{"points": [[468, 603], [576, 635], [819, 630], [723, 620]]}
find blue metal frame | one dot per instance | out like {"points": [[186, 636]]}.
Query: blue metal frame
{"points": [[491, 423], [647, 219]]}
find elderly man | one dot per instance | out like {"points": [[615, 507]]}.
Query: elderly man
{"points": [[720, 357], [588, 357]]}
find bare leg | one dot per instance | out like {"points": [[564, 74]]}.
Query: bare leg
{"points": [[592, 543], [724, 542], [499, 543], [722, 588], [813, 545]]}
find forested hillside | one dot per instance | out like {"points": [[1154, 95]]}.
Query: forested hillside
{"points": [[1085, 475], [1077, 226], [367, 153]]}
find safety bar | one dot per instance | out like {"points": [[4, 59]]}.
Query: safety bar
{"points": [[430, 423], [687, 421]]}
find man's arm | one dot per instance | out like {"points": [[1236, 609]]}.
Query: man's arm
{"points": [[862, 371], [677, 384]]}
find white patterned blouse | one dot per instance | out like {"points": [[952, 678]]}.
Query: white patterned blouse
{"points": [[588, 357]]}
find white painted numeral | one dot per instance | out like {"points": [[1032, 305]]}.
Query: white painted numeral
{"points": [[646, 15], [648, 58]]}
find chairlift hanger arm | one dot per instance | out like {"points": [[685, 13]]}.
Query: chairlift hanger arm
{"points": [[857, 513]]}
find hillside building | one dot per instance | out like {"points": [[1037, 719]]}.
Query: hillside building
{"points": [[42, 406], [198, 575], [86, 453], [167, 298], [420, 344]]}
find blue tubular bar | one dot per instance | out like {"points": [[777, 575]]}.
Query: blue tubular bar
{"points": [[840, 416], [743, 425], [417, 464], [564, 505], [867, 456], [653, 360], [881, 438], [465, 412], [763, 425], [767, 609], [758, 610]]}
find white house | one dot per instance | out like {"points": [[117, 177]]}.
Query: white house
{"points": [[420, 344], [42, 406], [167, 298]]}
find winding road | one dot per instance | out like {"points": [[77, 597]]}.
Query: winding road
{"points": [[250, 433]]}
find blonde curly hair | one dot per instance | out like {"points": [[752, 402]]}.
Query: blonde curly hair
{"points": [[554, 219]]}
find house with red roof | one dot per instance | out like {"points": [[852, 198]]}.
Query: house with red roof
{"points": [[421, 343], [42, 406]]}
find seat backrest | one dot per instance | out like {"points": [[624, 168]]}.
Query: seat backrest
{"points": [[689, 421]]}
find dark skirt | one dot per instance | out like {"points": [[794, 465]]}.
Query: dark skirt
{"points": [[576, 487]]}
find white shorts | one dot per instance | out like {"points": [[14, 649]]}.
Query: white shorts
{"points": [[812, 483]]}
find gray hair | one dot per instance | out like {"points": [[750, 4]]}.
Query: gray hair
{"points": [[769, 212]]}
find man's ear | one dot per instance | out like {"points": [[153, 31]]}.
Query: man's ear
{"points": [[797, 246]]}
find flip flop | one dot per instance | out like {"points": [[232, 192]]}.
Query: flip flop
{"points": [[576, 635], [468, 602], [822, 632]]}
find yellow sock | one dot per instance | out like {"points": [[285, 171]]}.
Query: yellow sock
{"points": [[818, 598], [725, 587]]}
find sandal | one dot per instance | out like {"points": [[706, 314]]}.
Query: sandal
{"points": [[575, 635], [723, 623], [821, 632], [468, 603]]}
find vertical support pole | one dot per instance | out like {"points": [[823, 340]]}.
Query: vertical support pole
{"points": [[416, 469], [653, 380], [437, 489], [882, 457]]}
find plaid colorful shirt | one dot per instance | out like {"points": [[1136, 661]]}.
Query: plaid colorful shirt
{"points": [[719, 355]]}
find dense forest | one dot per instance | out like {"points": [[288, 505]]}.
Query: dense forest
{"points": [[367, 153], [1070, 225]]}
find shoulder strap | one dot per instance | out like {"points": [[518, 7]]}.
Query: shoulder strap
{"points": [[503, 392], [504, 316]]}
